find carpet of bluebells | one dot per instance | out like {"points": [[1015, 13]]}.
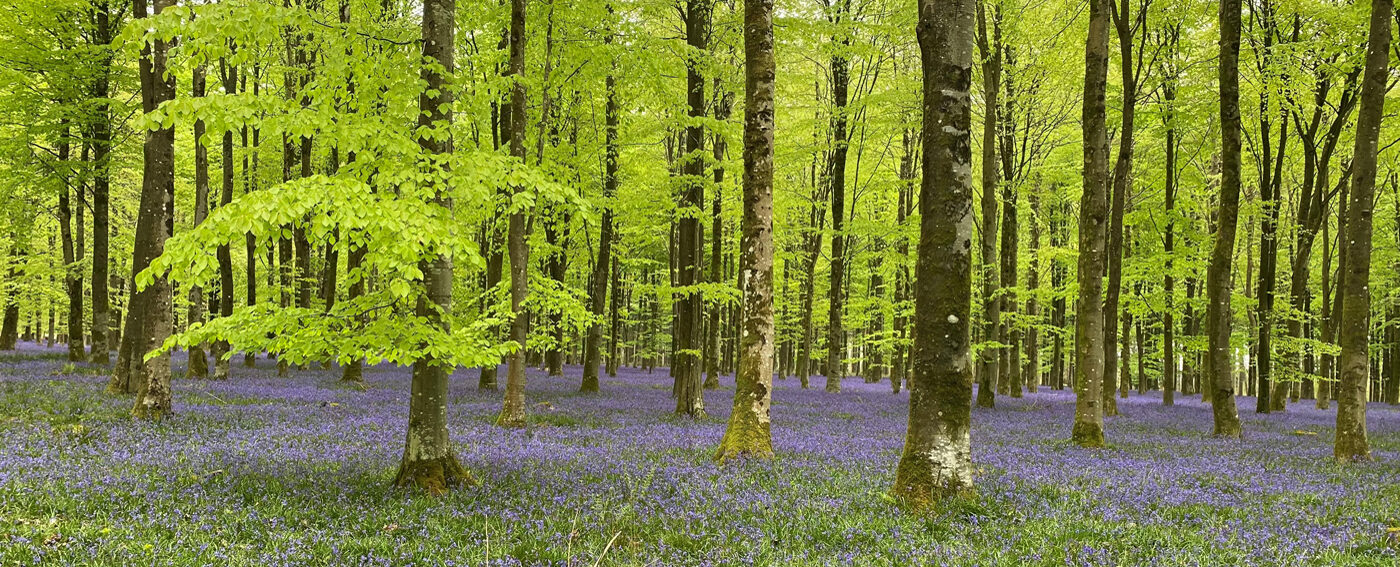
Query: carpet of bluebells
{"points": [[261, 470]]}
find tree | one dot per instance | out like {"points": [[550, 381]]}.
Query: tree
{"points": [[936, 462], [991, 304], [1355, 371], [747, 434], [1127, 24], [1220, 381], [148, 318], [517, 239], [840, 147], [690, 313], [599, 293], [428, 460], [1093, 212]]}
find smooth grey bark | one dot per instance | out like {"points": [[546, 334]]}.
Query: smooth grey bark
{"points": [[1219, 383], [1354, 372]]}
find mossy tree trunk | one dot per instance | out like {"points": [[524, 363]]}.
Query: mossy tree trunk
{"points": [[936, 462], [747, 434]]}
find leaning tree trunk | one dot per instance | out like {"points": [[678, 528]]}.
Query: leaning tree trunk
{"points": [[1352, 444], [937, 460], [747, 434], [1093, 214], [1125, 25], [1218, 379]]}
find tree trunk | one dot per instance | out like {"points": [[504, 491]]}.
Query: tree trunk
{"points": [[101, 39], [1032, 372], [198, 366], [1219, 379], [517, 241], [598, 295], [840, 87], [689, 336], [428, 460], [1089, 325], [937, 461], [1169, 242], [1352, 444], [150, 307], [250, 183], [1126, 24], [990, 48], [747, 434], [72, 277]]}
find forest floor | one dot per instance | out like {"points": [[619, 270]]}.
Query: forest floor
{"points": [[260, 470]]}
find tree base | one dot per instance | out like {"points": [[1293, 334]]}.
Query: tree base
{"points": [[918, 490], [435, 476], [743, 444], [1088, 435], [589, 385], [512, 420]]}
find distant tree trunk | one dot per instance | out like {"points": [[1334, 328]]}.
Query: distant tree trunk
{"points": [[9, 325], [517, 241], [937, 461], [615, 324], [598, 295], [101, 181], [1126, 25], [990, 48], [902, 285], [198, 366], [689, 337], [747, 434], [219, 350], [1058, 307], [1219, 379], [1124, 338], [250, 183], [149, 313], [1093, 212], [1032, 372], [72, 277], [840, 139], [1010, 373], [1169, 240], [814, 243], [428, 460], [1352, 444]]}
